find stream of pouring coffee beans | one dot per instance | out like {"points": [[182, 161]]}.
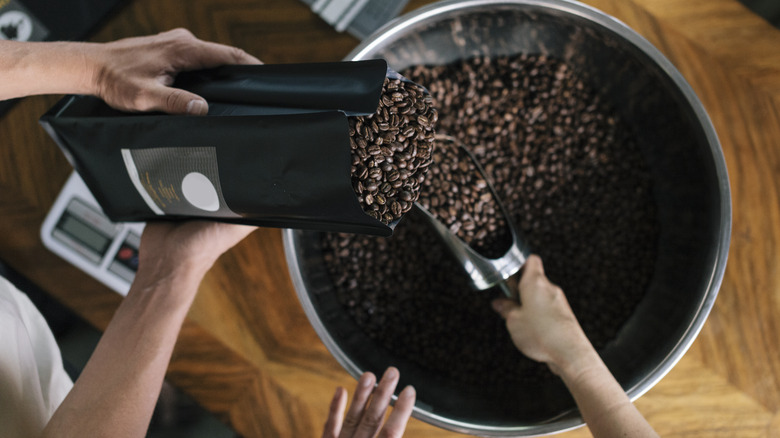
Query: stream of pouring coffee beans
{"points": [[574, 182], [391, 150]]}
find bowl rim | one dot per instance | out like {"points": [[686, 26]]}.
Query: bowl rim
{"points": [[570, 419]]}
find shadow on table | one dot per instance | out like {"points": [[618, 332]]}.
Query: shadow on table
{"points": [[768, 9]]}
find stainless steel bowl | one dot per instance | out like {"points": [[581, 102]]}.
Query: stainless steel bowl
{"points": [[691, 190]]}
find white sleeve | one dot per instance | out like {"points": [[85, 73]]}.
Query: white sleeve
{"points": [[33, 381]]}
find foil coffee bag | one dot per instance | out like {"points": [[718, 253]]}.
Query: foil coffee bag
{"points": [[274, 149]]}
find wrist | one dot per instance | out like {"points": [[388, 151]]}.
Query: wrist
{"points": [[582, 363], [175, 283], [575, 355], [83, 67]]}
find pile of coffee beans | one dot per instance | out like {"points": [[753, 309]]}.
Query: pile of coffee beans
{"points": [[457, 194], [391, 150], [409, 294], [574, 182]]}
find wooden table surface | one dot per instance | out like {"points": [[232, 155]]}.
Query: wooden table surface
{"points": [[248, 353]]}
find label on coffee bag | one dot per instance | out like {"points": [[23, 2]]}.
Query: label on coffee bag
{"points": [[178, 181]]}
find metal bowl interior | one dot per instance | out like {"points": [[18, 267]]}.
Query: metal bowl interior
{"points": [[691, 191]]}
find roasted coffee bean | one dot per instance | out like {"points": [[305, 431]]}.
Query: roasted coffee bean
{"points": [[375, 173], [395, 208], [573, 180], [379, 151]]}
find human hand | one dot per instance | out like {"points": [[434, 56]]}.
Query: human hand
{"points": [[544, 327], [168, 247], [364, 418], [136, 74]]}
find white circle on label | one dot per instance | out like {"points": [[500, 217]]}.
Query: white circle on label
{"points": [[15, 25], [200, 192]]}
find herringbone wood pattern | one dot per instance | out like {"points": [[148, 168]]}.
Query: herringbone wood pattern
{"points": [[247, 351]]}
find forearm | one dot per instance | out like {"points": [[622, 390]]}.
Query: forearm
{"points": [[118, 389], [604, 405], [545, 329], [29, 68]]}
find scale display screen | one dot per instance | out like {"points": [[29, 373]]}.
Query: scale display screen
{"points": [[84, 234], [85, 230]]}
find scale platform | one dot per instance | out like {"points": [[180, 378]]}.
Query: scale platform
{"points": [[77, 230]]}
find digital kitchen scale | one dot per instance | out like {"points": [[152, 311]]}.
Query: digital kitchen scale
{"points": [[77, 230]]}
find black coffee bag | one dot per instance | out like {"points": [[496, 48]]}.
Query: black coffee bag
{"points": [[274, 149]]}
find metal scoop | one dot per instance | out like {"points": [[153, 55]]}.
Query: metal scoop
{"points": [[484, 272]]}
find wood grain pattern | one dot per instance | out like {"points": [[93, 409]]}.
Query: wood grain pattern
{"points": [[247, 351]]}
